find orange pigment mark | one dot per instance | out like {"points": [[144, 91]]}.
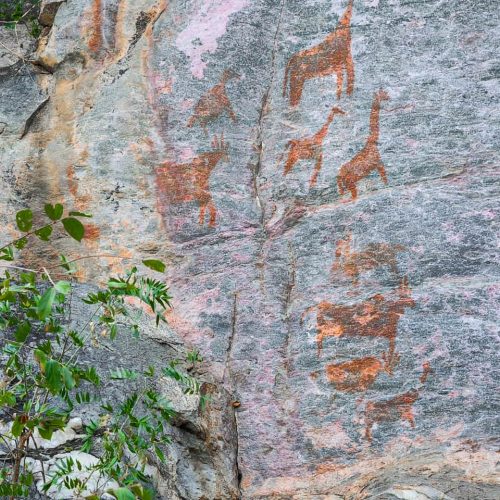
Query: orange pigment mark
{"points": [[368, 159], [212, 104], [81, 201], [92, 232], [333, 55], [392, 410], [310, 148], [427, 370], [375, 255], [95, 41], [356, 375], [185, 182], [375, 317]]}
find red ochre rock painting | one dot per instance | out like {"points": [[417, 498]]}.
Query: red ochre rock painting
{"points": [[212, 104], [332, 56], [392, 410], [368, 159], [374, 255], [356, 375], [374, 317], [310, 148], [426, 371], [186, 182]]}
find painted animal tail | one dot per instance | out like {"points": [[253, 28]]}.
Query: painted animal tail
{"points": [[191, 121], [399, 248]]}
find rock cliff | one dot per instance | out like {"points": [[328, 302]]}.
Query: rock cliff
{"points": [[320, 176]]}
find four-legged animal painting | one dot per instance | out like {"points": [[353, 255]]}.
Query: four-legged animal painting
{"points": [[187, 182], [331, 56]]}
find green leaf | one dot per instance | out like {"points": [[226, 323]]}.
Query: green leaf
{"points": [[63, 287], [159, 453], [24, 220], [74, 228], [7, 253], [54, 212], [41, 357], [53, 375], [68, 379], [117, 284], [22, 331], [17, 428], [44, 233], [44, 306], [80, 214], [20, 244], [123, 494], [7, 398], [155, 265], [123, 374], [45, 433]]}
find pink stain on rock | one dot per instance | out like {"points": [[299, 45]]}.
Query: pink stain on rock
{"points": [[207, 25]]}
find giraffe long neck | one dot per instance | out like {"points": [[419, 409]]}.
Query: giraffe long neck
{"points": [[345, 21], [321, 133], [374, 121]]}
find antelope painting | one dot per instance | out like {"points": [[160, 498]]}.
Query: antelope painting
{"points": [[359, 374], [374, 317], [332, 56], [187, 182], [374, 255], [212, 104], [368, 159], [392, 410], [310, 148]]}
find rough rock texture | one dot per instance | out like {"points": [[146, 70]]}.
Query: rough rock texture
{"points": [[320, 176]]}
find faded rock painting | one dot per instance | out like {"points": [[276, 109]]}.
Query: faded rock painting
{"points": [[387, 355], [330, 57], [368, 160], [213, 104], [352, 263], [189, 182], [310, 148]]}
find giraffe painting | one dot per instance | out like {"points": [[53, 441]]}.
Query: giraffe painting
{"points": [[310, 148], [212, 104], [331, 56], [187, 182], [368, 159]]}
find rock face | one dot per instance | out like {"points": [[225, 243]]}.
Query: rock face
{"points": [[320, 177]]}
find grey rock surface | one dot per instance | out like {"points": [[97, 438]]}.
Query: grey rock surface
{"points": [[337, 268]]}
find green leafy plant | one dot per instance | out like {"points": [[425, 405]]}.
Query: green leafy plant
{"points": [[44, 378], [14, 12]]}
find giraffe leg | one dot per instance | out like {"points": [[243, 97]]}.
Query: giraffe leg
{"points": [[213, 214], [290, 162], [296, 87], [354, 191], [201, 219], [368, 431], [349, 67], [317, 169], [340, 81], [381, 171], [319, 341], [340, 184], [408, 416], [231, 112]]}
